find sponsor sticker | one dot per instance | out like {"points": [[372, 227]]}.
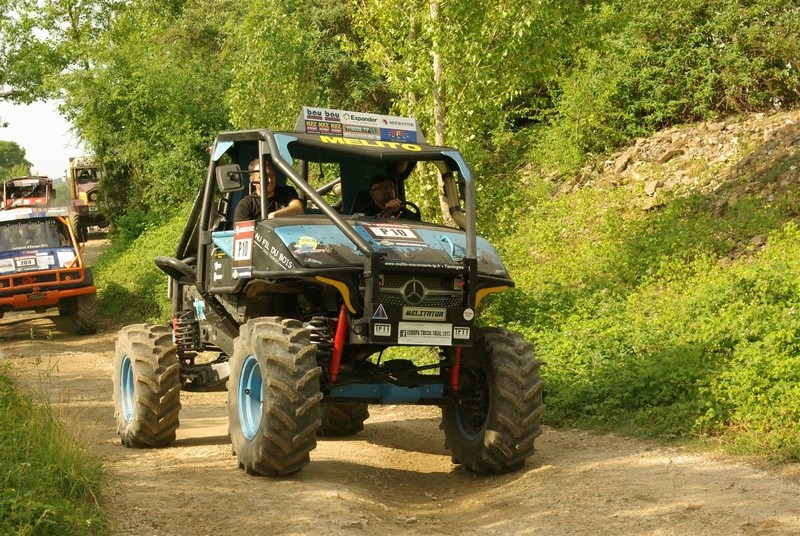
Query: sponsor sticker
{"points": [[425, 333], [460, 333], [283, 260], [391, 233], [357, 131], [65, 258], [306, 243], [370, 143], [382, 330], [25, 262], [323, 127], [469, 314], [380, 313], [243, 232], [44, 261], [431, 314]]}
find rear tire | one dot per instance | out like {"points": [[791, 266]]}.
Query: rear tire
{"points": [[83, 310], [147, 386], [491, 426], [273, 397], [342, 419]]}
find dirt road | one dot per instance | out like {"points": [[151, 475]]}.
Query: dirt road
{"points": [[395, 476]]}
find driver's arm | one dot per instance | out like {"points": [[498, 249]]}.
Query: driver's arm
{"points": [[294, 207]]}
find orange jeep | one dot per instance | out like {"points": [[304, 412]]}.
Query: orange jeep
{"points": [[41, 266]]}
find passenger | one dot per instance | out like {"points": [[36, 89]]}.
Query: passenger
{"points": [[281, 200]]}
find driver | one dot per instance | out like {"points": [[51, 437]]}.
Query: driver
{"points": [[383, 200]]}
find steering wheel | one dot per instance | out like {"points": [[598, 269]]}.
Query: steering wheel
{"points": [[393, 212]]}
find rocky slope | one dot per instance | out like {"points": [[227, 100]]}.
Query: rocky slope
{"points": [[757, 154]]}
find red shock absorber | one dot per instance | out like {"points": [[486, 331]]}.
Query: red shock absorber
{"points": [[338, 343], [455, 370]]}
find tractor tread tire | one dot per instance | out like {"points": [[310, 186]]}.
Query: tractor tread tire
{"points": [[343, 419], [83, 310], [290, 399], [156, 386], [505, 438]]}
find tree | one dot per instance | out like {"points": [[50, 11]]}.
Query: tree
{"points": [[471, 70], [41, 40], [291, 54], [152, 101], [12, 160]]}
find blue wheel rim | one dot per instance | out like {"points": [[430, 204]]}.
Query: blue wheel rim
{"points": [[127, 397], [250, 405]]}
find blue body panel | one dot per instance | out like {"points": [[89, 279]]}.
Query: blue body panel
{"points": [[389, 393], [404, 243]]}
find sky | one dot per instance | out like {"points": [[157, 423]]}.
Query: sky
{"points": [[43, 133]]}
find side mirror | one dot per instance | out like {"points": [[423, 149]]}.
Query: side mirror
{"points": [[229, 178]]}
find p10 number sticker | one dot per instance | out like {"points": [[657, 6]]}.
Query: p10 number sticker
{"points": [[393, 233], [243, 232]]}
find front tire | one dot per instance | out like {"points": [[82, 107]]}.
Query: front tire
{"points": [[79, 227], [65, 307], [491, 426], [273, 397], [146, 386], [83, 310]]}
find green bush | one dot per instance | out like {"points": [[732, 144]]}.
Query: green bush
{"points": [[657, 65], [647, 326], [130, 286]]}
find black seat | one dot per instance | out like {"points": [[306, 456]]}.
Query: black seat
{"points": [[361, 201], [219, 218]]}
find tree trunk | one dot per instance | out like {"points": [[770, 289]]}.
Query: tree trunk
{"points": [[439, 97]]}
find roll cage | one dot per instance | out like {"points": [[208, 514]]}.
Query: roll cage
{"points": [[290, 154]]}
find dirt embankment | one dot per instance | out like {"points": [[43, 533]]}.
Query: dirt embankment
{"points": [[395, 476]]}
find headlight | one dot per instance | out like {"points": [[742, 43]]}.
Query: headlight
{"points": [[93, 196]]}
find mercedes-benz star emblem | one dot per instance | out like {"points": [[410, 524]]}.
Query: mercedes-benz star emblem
{"points": [[414, 292]]}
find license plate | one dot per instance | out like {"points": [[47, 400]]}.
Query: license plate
{"points": [[37, 296]]}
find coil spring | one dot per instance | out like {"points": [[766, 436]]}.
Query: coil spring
{"points": [[322, 337], [186, 332]]}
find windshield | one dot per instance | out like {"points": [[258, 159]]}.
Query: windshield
{"points": [[32, 234], [87, 176]]}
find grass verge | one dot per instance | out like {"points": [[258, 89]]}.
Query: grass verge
{"points": [[50, 482]]}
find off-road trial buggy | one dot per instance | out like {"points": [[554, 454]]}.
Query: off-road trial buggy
{"points": [[296, 312], [41, 266]]}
